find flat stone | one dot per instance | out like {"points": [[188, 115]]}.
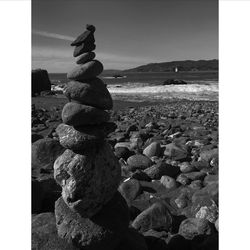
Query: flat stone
{"points": [[81, 138], [86, 71], [102, 231], [93, 93], [156, 216], [85, 57], [44, 153], [86, 36], [138, 161], [83, 48], [192, 227], [195, 175], [174, 152], [44, 234], [154, 149], [88, 180], [76, 114]]}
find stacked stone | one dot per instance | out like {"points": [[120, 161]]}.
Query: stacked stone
{"points": [[88, 171]]}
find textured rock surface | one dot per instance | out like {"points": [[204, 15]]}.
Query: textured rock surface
{"points": [[139, 162], [83, 48], [103, 231], [86, 36], [76, 114], [85, 57], [85, 71], [93, 93], [88, 180], [40, 81], [156, 216], [44, 234]]}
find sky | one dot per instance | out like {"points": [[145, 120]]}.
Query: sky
{"points": [[129, 33]]}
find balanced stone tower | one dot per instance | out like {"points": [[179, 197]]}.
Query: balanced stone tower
{"points": [[91, 213]]}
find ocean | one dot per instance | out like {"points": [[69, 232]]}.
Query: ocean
{"points": [[139, 87]]}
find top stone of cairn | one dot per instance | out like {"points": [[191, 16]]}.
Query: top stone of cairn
{"points": [[86, 36]]}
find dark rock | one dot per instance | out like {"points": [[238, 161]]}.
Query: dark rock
{"points": [[138, 161], [156, 216], [130, 190], [93, 93], [86, 37], [154, 149], [140, 176], [83, 48], [85, 57], [88, 180], [123, 152], [35, 137], [174, 82], [76, 114], [132, 240], [195, 175], [178, 242], [206, 242], [80, 138], [201, 164], [90, 27], [40, 81], [192, 227], [44, 234], [86, 71], [102, 231], [44, 153]]}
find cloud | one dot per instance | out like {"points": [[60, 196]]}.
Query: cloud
{"points": [[53, 35]]}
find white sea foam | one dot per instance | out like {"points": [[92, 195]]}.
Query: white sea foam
{"points": [[202, 90]]}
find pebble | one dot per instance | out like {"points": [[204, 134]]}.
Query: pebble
{"points": [[168, 182], [85, 57], [138, 161], [154, 149]]}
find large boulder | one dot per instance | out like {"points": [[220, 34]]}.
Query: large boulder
{"points": [[102, 231], [40, 81], [88, 180]]}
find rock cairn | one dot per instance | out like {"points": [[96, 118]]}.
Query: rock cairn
{"points": [[88, 171]]}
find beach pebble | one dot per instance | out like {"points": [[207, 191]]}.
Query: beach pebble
{"points": [[85, 57], [76, 114], [195, 175], [130, 190], [186, 167], [183, 179], [81, 138], [209, 179], [154, 149], [86, 71], [208, 155], [92, 93], [157, 216], [88, 180], [138, 161], [123, 152], [174, 152], [168, 182], [197, 184], [102, 231], [191, 227]]}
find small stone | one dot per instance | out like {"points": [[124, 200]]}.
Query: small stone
{"points": [[130, 190], [88, 180], [192, 227], [174, 152], [123, 152], [195, 175], [181, 201], [85, 57], [90, 27], [92, 93], [168, 182], [208, 155], [140, 176], [86, 71], [197, 184], [154, 149], [81, 138], [156, 216], [86, 36], [138, 161], [209, 179], [102, 231], [76, 114], [183, 179], [83, 48], [185, 167]]}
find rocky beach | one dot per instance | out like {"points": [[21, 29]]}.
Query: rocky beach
{"points": [[119, 174]]}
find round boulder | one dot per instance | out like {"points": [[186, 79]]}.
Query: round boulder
{"points": [[85, 71], [139, 161], [85, 57], [102, 231], [76, 114], [88, 180], [93, 93]]}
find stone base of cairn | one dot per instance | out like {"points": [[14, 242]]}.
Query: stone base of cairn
{"points": [[91, 213]]}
